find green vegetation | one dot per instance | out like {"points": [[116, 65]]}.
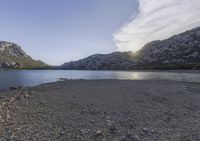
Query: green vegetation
{"points": [[13, 57], [24, 62]]}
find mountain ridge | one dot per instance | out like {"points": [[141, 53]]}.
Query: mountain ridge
{"points": [[181, 51]]}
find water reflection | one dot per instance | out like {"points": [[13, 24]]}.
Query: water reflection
{"points": [[31, 78]]}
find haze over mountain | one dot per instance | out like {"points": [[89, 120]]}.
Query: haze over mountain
{"points": [[178, 52], [12, 56]]}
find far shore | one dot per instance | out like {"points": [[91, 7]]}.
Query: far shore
{"points": [[102, 110], [143, 70]]}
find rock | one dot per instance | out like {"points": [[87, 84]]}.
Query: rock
{"points": [[113, 129], [17, 97], [2, 97], [43, 103], [3, 103], [92, 121], [98, 134], [108, 122], [8, 114], [12, 99], [145, 130], [129, 137], [25, 96], [136, 138]]}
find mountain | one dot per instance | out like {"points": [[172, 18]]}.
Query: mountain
{"points": [[181, 51], [13, 57], [111, 61]]}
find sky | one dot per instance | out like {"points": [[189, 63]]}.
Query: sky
{"points": [[157, 20], [58, 31]]}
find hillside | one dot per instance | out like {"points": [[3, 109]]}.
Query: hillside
{"points": [[181, 51], [13, 57], [114, 60]]}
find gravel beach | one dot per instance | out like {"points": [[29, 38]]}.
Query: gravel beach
{"points": [[102, 110]]}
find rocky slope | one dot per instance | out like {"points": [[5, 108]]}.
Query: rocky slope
{"points": [[12, 56], [178, 52], [103, 62], [181, 50]]}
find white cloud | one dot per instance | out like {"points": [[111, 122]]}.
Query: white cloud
{"points": [[158, 20]]}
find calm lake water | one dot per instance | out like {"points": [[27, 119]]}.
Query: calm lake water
{"points": [[35, 77]]}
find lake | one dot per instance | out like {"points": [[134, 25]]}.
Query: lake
{"points": [[16, 78]]}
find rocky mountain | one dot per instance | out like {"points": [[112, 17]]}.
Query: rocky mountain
{"points": [[181, 51], [111, 61], [12, 56]]}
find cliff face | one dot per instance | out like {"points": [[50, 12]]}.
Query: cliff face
{"points": [[178, 52], [12, 56]]}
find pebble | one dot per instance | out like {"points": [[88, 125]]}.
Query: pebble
{"points": [[130, 138], [3, 103], [136, 138], [18, 97], [12, 99], [145, 130], [92, 121], [8, 115], [43, 103], [108, 122], [113, 129], [2, 97], [98, 134]]}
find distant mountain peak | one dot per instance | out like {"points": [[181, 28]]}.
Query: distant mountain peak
{"points": [[12, 56], [11, 49]]}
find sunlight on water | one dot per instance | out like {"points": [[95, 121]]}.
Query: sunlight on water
{"points": [[36, 77]]}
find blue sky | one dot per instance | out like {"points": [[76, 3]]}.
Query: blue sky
{"points": [[57, 31]]}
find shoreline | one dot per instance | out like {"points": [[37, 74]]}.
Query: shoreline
{"points": [[10, 89], [194, 72], [102, 110], [140, 70]]}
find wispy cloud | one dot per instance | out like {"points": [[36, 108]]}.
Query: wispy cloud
{"points": [[158, 20]]}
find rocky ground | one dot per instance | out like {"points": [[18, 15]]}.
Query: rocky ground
{"points": [[102, 110]]}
